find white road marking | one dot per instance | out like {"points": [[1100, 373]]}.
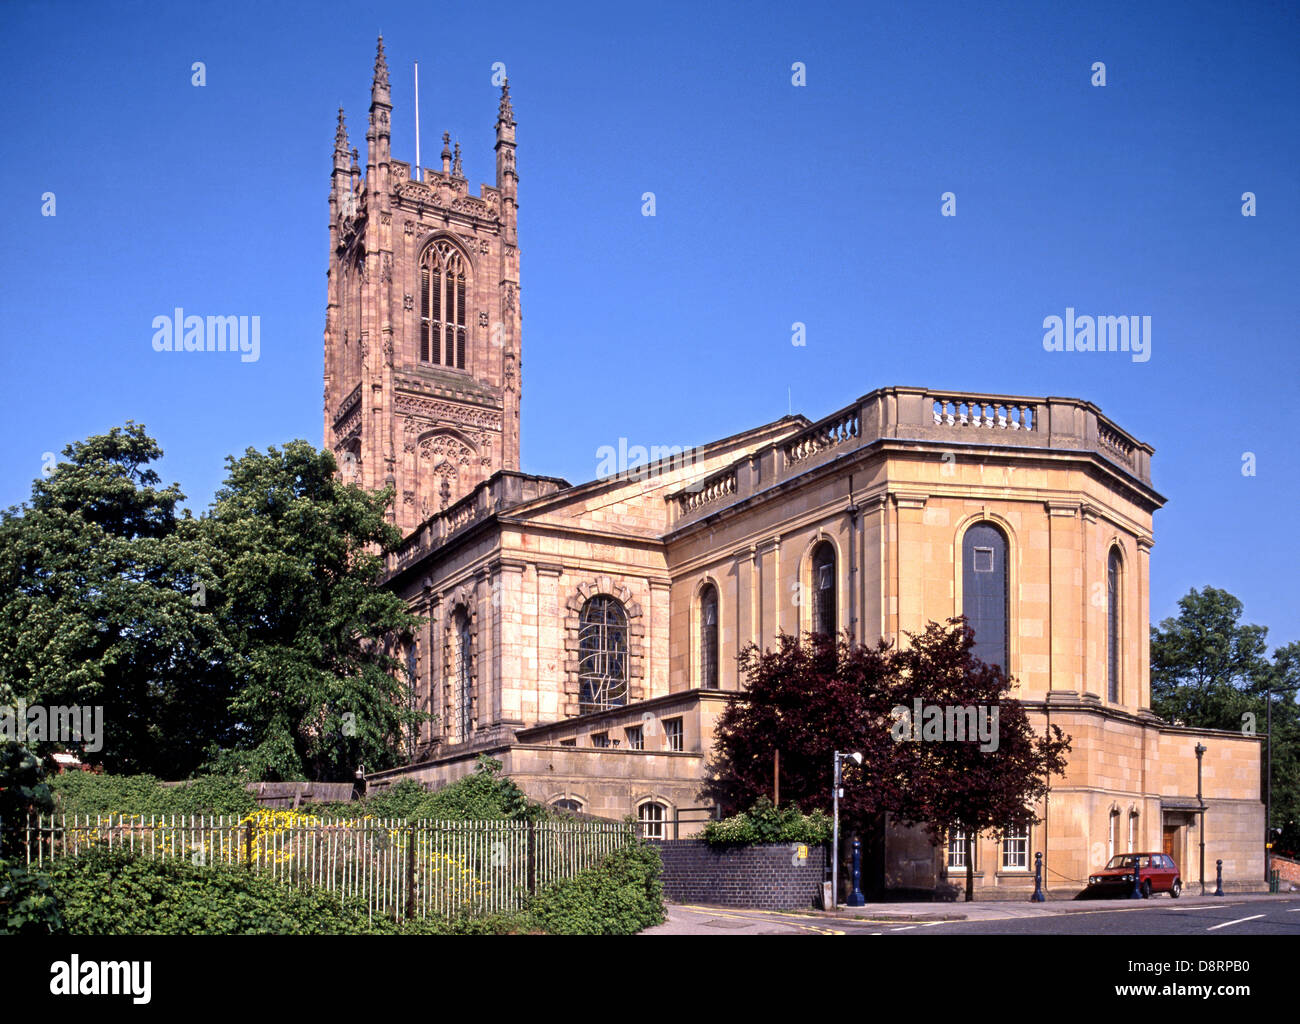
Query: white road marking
{"points": [[906, 928], [1238, 921]]}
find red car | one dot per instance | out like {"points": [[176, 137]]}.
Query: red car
{"points": [[1156, 872]]}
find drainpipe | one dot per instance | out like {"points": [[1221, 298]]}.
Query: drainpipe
{"points": [[852, 510]]}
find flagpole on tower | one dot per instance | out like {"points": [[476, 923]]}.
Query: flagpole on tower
{"points": [[418, 172]]}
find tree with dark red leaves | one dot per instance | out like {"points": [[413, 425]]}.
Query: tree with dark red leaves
{"points": [[971, 786], [810, 698]]}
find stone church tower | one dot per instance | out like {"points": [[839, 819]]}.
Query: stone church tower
{"points": [[422, 329]]}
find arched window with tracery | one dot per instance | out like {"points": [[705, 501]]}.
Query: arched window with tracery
{"points": [[823, 589], [442, 305], [985, 593], [602, 654], [709, 637], [412, 687], [1113, 578], [462, 649]]}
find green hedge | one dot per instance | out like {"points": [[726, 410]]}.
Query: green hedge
{"points": [[764, 823], [620, 896], [115, 892], [482, 795], [28, 904], [87, 793], [103, 892]]}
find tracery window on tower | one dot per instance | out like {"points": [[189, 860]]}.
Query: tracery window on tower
{"points": [[442, 305]]}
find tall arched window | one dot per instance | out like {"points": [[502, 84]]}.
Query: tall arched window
{"points": [[602, 654], [412, 683], [442, 305], [650, 816], [1112, 625], [709, 637], [463, 672], [985, 592], [823, 589]]}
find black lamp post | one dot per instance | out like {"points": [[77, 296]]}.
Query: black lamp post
{"points": [[1200, 753]]}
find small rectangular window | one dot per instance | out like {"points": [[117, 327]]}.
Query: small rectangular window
{"points": [[568, 743], [1015, 850], [674, 733], [983, 559], [600, 739], [957, 850], [635, 737]]}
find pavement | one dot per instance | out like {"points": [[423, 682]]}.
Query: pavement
{"points": [[1052, 916]]}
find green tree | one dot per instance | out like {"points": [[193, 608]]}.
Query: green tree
{"points": [[1211, 670], [1205, 661], [98, 577], [296, 560]]}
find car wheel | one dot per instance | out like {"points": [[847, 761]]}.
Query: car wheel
{"points": [[1146, 889], [1176, 889]]}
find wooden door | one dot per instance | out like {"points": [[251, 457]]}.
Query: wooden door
{"points": [[1171, 841]]}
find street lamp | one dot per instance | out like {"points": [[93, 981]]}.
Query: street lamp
{"points": [[835, 841], [1200, 752]]}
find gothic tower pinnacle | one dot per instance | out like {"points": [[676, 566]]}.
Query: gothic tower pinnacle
{"points": [[423, 322]]}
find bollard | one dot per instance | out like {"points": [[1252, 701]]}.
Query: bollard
{"points": [[1136, 894], [856, 899], [1218, 881], [1038, 896]]}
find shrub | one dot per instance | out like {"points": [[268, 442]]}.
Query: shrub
{"points": [[622, 895], [28, 905], [117, 892], [23, 791], [764, 823], [113, 892], [482, 795], [85, 793]]}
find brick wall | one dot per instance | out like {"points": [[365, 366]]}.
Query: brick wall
{"points": [[1288, 871], [768, 876]]}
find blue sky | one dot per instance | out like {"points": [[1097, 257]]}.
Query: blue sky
{"points": [[775, 204]]}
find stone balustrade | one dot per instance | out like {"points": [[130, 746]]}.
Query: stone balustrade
{"points": [[835, 431], [714, 489], [500, 492], [944, 418]]}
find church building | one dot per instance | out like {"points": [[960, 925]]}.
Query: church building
{"points": [[586, 635]]}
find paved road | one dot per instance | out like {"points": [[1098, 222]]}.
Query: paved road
{"points": [[1155, 917], [1254, 918]]}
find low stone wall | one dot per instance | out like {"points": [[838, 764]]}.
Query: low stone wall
{"points": [[769, 876]]}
